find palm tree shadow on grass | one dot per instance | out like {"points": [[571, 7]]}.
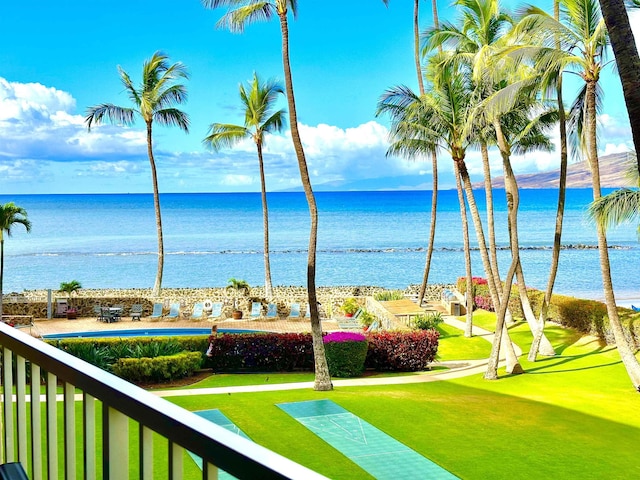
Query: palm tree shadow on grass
{"points": [[544, 366]]}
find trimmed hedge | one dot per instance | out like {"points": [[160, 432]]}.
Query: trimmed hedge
{"points": [[402, 351], [346, 353], [586, 316], [158, 369], [263, 352]]}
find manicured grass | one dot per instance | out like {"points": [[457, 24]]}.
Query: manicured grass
{"points": [[575, 415], [453, 345]]}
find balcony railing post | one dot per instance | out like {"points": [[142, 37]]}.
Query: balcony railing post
{"points": [[146, 453], [21, 410], [115, 450], [36, 424], [69, 432], [7, 384], [89, 437], [52, 427]]}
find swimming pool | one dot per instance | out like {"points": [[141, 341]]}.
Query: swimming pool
{"points": [[143, 332]]}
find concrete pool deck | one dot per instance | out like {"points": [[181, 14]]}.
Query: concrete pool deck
{"points": [[84, 324]]}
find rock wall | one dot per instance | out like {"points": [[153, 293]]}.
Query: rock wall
{"points": [[34, 302]]}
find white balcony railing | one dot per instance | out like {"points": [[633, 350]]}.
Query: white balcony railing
{"points": [[32, 432]]}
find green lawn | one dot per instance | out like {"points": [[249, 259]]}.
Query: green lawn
{"points": [[575, 415]]}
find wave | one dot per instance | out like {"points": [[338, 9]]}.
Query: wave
{"points": [[304, 251]]}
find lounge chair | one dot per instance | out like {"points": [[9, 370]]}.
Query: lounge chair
{"points": [[174, 311], [97, 310], [136, 312], [272, 311], [373, 327], [157, 310], [295, 311], [197, 310], [256, 310], [216, 310]]}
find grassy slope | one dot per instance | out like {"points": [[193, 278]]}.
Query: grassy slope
{"points": [[570, 416]]}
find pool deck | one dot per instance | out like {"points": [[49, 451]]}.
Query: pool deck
{"points": [[62, 325]]}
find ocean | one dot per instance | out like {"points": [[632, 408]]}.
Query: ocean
{"points": [[364, 238]]}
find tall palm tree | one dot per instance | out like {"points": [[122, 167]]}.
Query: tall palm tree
{"points": [[259, 118], [584, 38], [434, 155], [482, 31], [10, 215], [482, 24], [444, 112], [627, 59], [153, 101], [240, 14]]}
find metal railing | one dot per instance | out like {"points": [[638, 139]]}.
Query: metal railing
{"points": [[32, 432]]}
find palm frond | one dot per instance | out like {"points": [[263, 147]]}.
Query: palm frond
{"points": [[224, 135], [172, 117], [254, 11], [112, 113], [618, 207]]}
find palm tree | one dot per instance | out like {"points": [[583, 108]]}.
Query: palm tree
{"points": [[153, 101], [584, 38], [10, 215], [241, 13], [627, 59], [443, 114], [482, 25], [434, 155], [258, 101]]}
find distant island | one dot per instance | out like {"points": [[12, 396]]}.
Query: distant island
{"points": [[612, 174]]}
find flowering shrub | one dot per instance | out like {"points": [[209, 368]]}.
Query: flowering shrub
{"points": [[339, 337], [262, 352], [346, 353], [402, 351], [484, 302]]}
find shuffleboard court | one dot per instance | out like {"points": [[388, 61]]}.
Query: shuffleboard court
{"points": [[373, 450], [219, 418]]}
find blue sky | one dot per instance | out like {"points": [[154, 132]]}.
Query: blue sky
{"points": [[57, 59]]}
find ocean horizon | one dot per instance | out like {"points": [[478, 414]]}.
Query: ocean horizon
{"points": [[364, 238]]}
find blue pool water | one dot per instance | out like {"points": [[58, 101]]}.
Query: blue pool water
{"points": [[141, 332]]}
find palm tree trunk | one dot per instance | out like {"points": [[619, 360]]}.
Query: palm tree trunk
{"points": [[501, 306], [156, 203], [322, 377], [628, 61], [468, 331], [416, 44], [624, 348], [513, 202], [562, 193], [434, 157], [432, 229], [268, 290], [491, 229]]}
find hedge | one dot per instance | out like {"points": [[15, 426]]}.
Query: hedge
{"points": [[346, 353], [402, 351], [387, 351], [158, 369], [586, 316]]}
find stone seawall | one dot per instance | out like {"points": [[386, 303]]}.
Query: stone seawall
{"points": [[34, 302]]}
